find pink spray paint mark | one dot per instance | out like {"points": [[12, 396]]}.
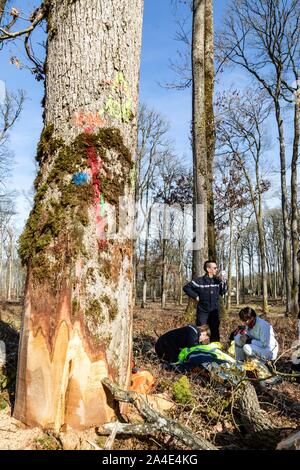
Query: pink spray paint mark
{"points": [[101, 222], [88, 120]]}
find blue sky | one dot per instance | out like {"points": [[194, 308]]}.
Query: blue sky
{"points": [[158, 47]]}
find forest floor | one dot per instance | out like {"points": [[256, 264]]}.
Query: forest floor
{"points": [[205, 414]]}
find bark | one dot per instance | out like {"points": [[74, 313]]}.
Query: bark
{"points": [[261, 432], [284, 206], [164, 260], [136, 202], [200, 169], [275, 279], [77, 319], [237, 271], [243, 276], [294, 210], [155, 422], [230, 259], [154, 290], [145, 270], [180, 270], [210, 125]]}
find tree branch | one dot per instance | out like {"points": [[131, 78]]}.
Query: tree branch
{"points": [[155, 421]]}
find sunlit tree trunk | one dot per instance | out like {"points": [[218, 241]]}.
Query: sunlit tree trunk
{"points": [[164, 259], [77, 320], [199, 134], [210, 125], [284, 206], [237, 274], [230, 259], [294, 209]]}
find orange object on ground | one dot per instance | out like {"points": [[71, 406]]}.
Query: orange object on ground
{"points": [[142, 382]]}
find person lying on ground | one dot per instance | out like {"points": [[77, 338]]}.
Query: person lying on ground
{"points": [[169, 345], [258, 339]]}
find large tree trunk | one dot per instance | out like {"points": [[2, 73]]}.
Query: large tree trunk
{"points": [[164, 259], [237, 274], [243, 276], [10, 265], [262, 251], [210, 125], [294, 211], [284, 206], [77, 319], [199, 135], [180, 272]]}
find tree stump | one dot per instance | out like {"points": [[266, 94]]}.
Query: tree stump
{"points": [[260, 431]]}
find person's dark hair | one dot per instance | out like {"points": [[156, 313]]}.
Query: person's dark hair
{"points": [[207, 263], [247, 313]]}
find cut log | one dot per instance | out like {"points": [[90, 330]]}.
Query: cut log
{"points": [[155, 422]]}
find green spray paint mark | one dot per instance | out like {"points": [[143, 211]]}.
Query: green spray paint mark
{"points": [[102, 206], [120, 110]]}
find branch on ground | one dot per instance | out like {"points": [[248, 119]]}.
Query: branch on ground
{"points": [[154, 421]]}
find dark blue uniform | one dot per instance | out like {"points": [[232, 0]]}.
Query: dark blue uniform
{"points": [[168, 345], [208, 289]]}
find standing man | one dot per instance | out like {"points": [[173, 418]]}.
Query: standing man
{"points": [[207, 290]]}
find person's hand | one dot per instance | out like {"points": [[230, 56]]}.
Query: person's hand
{"points": [[248, 340], [243, 339]]}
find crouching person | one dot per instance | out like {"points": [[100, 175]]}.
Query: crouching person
{"points": [[258, 339], [169, 345]]}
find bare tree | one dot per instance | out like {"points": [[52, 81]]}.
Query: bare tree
{"points": [[170, 171], [10, 110], [153, 143], [263, 38], [241, 131]]}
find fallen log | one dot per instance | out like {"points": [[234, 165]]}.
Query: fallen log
{"points": [[155, 422]]}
